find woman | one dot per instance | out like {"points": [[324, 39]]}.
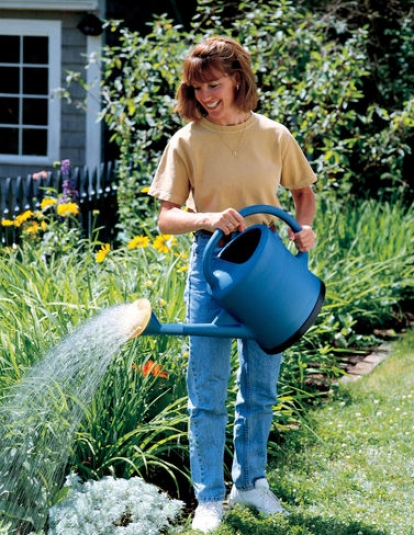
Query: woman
{"points": [[227, 157]]}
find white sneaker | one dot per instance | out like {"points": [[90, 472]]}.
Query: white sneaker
{"points": [[260, 498], [207, 516]]}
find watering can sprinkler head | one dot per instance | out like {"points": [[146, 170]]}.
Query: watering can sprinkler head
{"points": [[136, 317]]}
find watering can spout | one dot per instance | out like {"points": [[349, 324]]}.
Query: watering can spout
{"points": [[222, 326], [138, 319]]}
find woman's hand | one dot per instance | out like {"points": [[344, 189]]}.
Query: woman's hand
{"points": [[304, 240], [227, 221]]}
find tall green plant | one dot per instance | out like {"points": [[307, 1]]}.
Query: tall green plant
{"points": [[136, 424], [366, 258]]}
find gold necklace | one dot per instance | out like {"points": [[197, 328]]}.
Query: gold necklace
{"points": [[233, 150]]}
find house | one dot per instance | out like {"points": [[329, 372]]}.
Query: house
{"points": [[40, 40]]}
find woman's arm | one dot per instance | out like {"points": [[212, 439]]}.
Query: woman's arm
{"points": [[173, 220], [304, 200]]}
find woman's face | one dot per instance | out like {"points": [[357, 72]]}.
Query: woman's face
{"points": [[217, 97]]}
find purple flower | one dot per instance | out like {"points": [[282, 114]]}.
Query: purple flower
{"points": [[65, 168], [69, 191]]}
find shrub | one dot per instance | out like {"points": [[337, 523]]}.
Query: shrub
{"points": [[112, 506], [313, 74]]}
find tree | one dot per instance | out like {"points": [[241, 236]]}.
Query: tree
{"points": [[314, 73]]}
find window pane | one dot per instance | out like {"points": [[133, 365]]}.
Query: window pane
{"points": [[9, 49], [9, 110], [34, 142], [9, 140], [9, 77], [35, 111], [29, 66], [35, 50], [35, 81]]}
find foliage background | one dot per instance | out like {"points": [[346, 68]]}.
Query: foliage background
{"points": [[323, 70], [336, 73]]}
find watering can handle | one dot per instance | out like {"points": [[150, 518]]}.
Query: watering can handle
{"points": [[245, 212], [272, 210]]}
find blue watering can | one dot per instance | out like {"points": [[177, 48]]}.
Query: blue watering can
{"points": [[266, 293]]}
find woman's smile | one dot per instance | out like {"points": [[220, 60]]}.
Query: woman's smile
{"points": [[213, 105]]}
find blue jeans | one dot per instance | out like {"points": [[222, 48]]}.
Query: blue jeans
{"points": [[207, 381]]}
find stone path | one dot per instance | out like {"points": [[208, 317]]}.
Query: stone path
{"points": [[360, 367]]}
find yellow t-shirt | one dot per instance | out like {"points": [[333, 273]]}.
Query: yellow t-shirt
{"points": [[211, 167]]}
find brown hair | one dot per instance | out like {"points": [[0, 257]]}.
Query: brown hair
{"points": [[208, 61]]}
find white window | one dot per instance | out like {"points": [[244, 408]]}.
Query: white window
{"points": [[30, 65]]}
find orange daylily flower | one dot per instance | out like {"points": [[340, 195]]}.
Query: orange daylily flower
{"points": [[151, 367]]}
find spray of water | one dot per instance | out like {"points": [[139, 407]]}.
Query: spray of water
{"points": [[42, 413]]}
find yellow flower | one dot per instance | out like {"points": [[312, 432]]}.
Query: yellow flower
{"points": [[145, 190], [39, 214], [67, 208], [101, 254], [184, 257], [7, 222], [21, 218], [46, 202], [43, 225], [164, 243], [33, 228], [138, 241]]}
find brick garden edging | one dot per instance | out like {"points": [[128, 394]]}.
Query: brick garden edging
{"points": [[359, 368]]}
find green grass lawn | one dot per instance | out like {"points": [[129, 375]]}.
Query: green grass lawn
{"points": [[350, 469]]}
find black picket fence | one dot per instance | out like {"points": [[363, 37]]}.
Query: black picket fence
{"points": [[96, 197]]}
